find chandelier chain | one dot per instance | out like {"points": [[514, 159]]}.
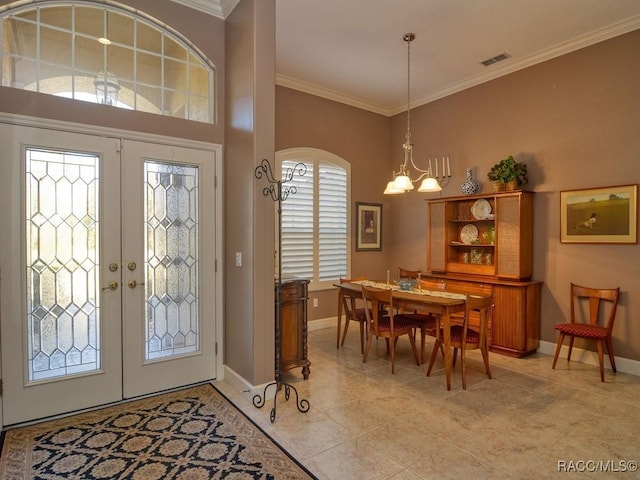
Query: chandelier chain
{"points": [[402, 180], [409, 38]]}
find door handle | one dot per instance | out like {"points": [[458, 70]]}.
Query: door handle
{"points": [[112, 286], [134, 284]]}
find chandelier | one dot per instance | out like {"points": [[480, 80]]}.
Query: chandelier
{"points": [[402, 181], [107, 88], [106, 83]]}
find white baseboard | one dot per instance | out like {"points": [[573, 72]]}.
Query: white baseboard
{"points": [[240, 383], [330, 322], [589, 357]]}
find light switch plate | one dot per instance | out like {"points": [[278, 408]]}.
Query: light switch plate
{"points": [[238, 259]]}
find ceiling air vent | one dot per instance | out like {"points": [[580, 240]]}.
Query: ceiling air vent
{"points": [[496, 59]]}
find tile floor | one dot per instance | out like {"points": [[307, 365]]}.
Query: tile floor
{"points": [[365, 423]]}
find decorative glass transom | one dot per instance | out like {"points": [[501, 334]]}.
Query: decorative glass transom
{"points": [[104, 54]]}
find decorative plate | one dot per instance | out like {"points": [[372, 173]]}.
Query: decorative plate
{"points": [[481, 209], [469, 234]]}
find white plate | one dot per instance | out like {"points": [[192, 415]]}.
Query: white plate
{"points": [[469, 234], [481, 209]]}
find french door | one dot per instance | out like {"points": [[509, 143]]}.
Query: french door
{"points": [[107, 287]]}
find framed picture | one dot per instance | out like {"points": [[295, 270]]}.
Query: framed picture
{"points": [[599, 215], [368, 226]]}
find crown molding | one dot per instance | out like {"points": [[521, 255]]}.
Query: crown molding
{"points": [[493, 72], [216, 8], [222, 9], [513, 65], [313, 89]]}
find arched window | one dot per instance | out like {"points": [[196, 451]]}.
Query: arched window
{"points": [[316, 219], [105, 54]]}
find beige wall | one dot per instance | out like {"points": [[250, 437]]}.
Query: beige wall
{"points": [[574, 120], [359, 137], [249, 216]]}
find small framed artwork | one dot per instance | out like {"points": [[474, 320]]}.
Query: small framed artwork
{"points": [[599, 215], [368, 226]]}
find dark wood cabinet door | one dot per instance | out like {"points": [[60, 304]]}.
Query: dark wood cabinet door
{"points": [[294, 326]]}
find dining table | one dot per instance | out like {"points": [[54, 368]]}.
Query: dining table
{"points": [[441, 303]]}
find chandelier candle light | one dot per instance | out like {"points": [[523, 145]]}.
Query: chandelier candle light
{"points": [[402, 181]]}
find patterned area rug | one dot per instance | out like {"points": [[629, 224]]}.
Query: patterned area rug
{"points": [[191, 434]]}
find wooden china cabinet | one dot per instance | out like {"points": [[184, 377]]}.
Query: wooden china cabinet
{"points": [[484, 244]]}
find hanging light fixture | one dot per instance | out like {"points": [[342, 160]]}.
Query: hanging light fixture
{"points": [[106, 83], [107, 88], [402, 181]]}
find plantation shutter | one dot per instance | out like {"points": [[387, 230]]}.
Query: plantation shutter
{"points": [[297, 225], [315, 219], [332, 223]]}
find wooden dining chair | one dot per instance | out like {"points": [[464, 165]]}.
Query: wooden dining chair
{"points": [[427, 321], [383, 323], [464, 337], [589, 319], [404, 274], [353, 310]]}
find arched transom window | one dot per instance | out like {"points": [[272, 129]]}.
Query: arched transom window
{"points": [[105, 53]]}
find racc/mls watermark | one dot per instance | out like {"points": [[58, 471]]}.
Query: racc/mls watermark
{"points": [[597, 466]]}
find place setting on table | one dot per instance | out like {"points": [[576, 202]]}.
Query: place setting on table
{"points": [[408, 286]]}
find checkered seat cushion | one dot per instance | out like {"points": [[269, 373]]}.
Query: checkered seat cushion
{"points": [[581, 330]]}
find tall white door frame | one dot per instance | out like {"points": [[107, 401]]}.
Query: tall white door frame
{"points": [[10, 195]]}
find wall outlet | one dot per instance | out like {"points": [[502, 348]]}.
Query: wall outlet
{"points": [[315, 302], [238, 259]]}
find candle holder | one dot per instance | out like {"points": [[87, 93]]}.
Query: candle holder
{"points": [[442, 172]]}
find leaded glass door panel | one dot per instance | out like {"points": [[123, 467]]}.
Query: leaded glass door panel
{"points": [[60, 217], [107, 249], [168, 198]]}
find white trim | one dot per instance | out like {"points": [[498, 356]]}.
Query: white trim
{"points": [[330, 322], [611, 31], [98, 131], [336, 96], [216, 8], [239, 383], [624, 365]]}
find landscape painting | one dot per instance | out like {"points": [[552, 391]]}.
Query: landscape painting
{"points": [[599, 215]]}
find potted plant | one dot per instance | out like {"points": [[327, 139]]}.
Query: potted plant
{"points": [[508, 174]]}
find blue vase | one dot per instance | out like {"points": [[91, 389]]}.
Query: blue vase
{"points": [[470, 186]]}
